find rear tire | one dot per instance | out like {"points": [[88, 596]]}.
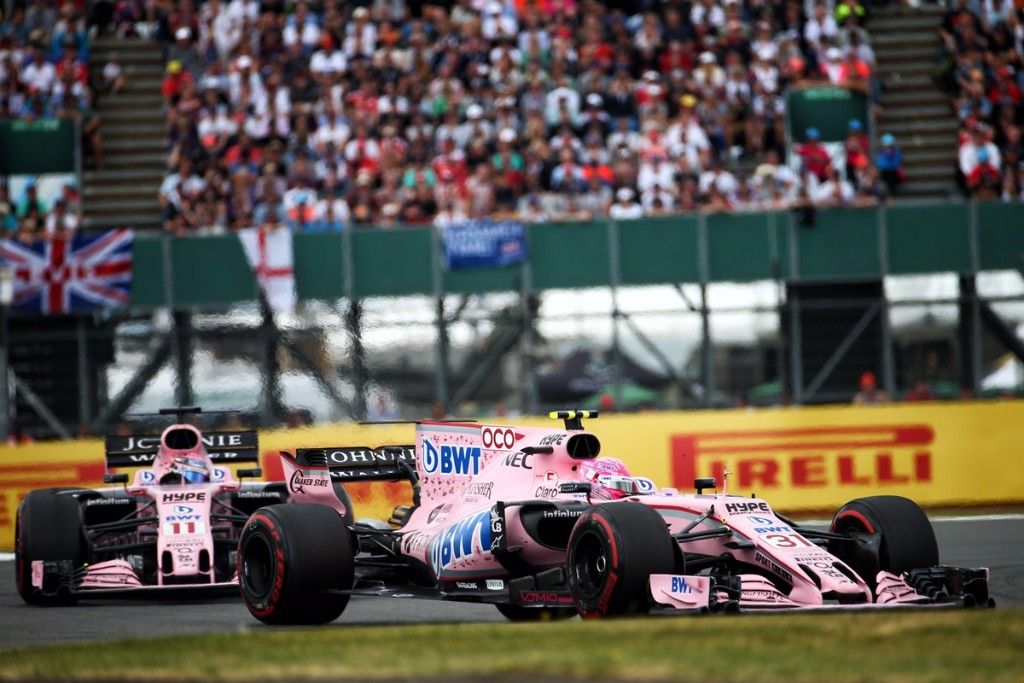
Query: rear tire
{"points": [[48, 527], [287, 556], [905, 537], [613, 550], [520, 613]]}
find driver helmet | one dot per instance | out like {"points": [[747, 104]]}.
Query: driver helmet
{"points": [[609, 478], [191, 470]]}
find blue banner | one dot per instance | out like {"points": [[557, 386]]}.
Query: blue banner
{"points": [[484, 244]]}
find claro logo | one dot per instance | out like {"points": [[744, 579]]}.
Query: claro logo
{"points": [[806, 458]]}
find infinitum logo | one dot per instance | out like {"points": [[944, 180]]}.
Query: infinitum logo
{"points": [[763, 460]]}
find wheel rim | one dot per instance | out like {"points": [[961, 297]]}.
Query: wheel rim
{"points": [[257, 566], [590, 565]]}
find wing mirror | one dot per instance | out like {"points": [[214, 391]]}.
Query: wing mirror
{"points": [[701, 483], [115, 478]]}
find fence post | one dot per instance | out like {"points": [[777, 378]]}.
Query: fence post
{"points": [[614, 278], [353, 323], [528, 341], [441, 373], [975, 247], [796, 366], [888, 360], [707, 347]]}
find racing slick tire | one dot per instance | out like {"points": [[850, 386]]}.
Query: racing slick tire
{"points": [[520, 613], [905, 538], [48, 527], [613, 550], [288, 555]]}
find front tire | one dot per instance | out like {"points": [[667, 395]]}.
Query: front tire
{"points": [[613, 550], [896, 530], [48, 527], [288, 555]]}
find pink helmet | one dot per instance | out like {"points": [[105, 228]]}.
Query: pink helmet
{"points": [[609, 477]]}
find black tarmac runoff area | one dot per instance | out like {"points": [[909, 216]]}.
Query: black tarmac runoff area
{"points": [[994, 541]]}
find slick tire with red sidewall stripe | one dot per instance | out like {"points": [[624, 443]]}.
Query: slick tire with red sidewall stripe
{"points": [[48, 527], [613, 550], [288, 555], [904, 535]]}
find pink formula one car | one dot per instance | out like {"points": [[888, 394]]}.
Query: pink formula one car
{"points": [[536, 523], [172, 528]]}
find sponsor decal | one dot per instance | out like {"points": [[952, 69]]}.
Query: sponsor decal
{"points": [[439, 510], [183, 510], [543, 597], [415, 542], [218, 474], [679, 586], [644, 485], [257, 494], [457, 541], [147, 477], [497, 528], [495, 585], [747, 508], [562, 513], [553, 439], [519, 460], [449, 460], [385, 455], [826, 568], [197, 496], [805, 458], [477, 488], [499, 438], [468, 585], [546, 491], [772, 566], [300, 480], [108, 501], [217, 441]]}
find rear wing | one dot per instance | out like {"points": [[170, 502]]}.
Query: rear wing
{"points": [[222, 447], [362, 463]]}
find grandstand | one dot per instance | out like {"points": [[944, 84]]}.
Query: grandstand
{"points": [[204, 119]]}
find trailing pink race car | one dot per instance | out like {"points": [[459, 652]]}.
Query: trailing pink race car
{"points": [[535, 522], [173, 527]]}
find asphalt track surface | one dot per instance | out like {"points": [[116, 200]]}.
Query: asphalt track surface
{"points": [[994, 541]]}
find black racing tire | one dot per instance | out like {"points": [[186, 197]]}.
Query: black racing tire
{"points": [[520, 613], [48, 527], [288, 555], [905, 538], [613, 550]]}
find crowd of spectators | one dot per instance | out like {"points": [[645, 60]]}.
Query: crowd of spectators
{"points": [[320, 116], [983, 68], [44, 73]]}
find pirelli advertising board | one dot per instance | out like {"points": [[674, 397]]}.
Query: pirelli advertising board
{"points": [[800, 459]]}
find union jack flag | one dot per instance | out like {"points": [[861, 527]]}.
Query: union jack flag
{"points": [[58, 276]]}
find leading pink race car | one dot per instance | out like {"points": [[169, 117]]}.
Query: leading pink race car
{"points": [[537, 523]]}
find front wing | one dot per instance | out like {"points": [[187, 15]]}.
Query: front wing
{"points": [[937, 586], [113, 578]]}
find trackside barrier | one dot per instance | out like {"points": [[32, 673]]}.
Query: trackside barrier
{"points": [[810, 458]]}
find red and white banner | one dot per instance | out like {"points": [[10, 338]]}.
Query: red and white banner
{"points": [[272, 260]]}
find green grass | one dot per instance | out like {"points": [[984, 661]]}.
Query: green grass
{"points": [[940, 645]]}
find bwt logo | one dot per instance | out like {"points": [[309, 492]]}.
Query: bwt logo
{"points": [[450, 459], [679, 585], [457, 540], [811, 457]]}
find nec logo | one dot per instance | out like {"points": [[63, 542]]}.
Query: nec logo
{"points": [[679, 585], [746, 508], [519, 460], [450, 459]]}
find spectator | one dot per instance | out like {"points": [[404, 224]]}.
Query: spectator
{"points": [[61, 224], [815, 158], [857, 148], [980, 164], [869, 393], [625, 206], [889, 161]]}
